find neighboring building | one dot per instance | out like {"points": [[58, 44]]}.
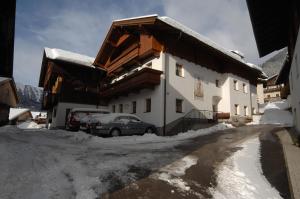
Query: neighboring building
{"points": [[18, 115], [69, 81], [162, 70], [272, 91], [8, 97], [276, 25]]}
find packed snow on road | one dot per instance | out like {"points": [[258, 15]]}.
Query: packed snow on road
{"points": [[61, 164], [241, 176]]}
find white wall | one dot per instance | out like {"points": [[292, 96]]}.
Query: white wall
{"points": [[183, 88], [156, 115], [260, 93], [59, 119], [294, 78], [239, 96]]}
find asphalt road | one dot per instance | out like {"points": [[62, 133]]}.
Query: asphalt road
{"points": [[59, 164], [211, 150]]}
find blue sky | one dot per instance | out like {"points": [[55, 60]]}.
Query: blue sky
{"points": [[81, 25]]}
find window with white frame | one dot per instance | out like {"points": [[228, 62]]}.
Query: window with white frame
{"points": [[246, 110], [217, 83], [245, 88], [134, 107], [179, 70], [120, 108], [236, 109], [148, 105], [235, 85], [179, 105]]}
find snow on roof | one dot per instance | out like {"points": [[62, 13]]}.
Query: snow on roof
{"points": [[63, 55], [2, 79], [16, 112], [255, 67], [203, 39], [140, 17]]}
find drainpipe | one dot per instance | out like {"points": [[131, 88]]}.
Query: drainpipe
{"points": [[163, 57]]}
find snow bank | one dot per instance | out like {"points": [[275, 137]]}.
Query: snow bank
{"points": [[276, 113], [172, 173], [241, 176], [29, 125]]}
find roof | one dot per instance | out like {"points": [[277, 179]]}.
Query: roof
{"points": [[12, 99], [269, 21], [152, 19], [16, 112], [71, 57], [283, 76]]}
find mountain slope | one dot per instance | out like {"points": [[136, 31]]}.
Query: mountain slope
{"points": [[273, 65], [29, 96]]}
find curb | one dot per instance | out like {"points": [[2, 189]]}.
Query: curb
{"points": [[292, 161]]}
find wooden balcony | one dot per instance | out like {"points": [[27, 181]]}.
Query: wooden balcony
{"points": [[145, 78]]}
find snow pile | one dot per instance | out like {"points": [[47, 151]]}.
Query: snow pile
{"points": [[276, 113], [29, 125], [245, 174], [172, 173]]}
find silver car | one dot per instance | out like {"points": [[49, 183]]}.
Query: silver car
{"points": [[116, 124]]}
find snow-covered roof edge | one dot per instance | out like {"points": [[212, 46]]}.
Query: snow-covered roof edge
{"points": [[15, 112], [139, 17], [63, 55], [196, 35]]}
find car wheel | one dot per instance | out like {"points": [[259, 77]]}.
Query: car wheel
{"points": [[149, 131], [115, 133]]}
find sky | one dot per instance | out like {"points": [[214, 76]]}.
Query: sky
{"points": [[81, 25]]}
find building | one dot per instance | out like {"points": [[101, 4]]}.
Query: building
{"points": [[8, 95], [271, 91], [276, 25], [8, 98], [69, 81], [163, 71]]}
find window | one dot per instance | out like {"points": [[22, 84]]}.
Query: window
{"points": [[113, 108], [148, 105], [268, 96], [217, 83], [235, 85], [277, 95], [245, 110], [179, 70], [120, 108], [244, 88], [134, 107], [179, 108], [236, 109], [134, 119]]}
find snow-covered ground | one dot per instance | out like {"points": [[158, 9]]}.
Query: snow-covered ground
{"points": [[62, 164], [276, 113], [240, 176]]}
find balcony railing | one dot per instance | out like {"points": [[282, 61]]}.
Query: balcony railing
{"points": [[145, 78]]}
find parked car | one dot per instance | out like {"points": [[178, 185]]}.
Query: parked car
{"points": [[116, 124], [87, 121], [76, 114]]}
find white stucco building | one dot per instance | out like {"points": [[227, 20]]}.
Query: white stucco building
{"points": [[151, 77]]}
